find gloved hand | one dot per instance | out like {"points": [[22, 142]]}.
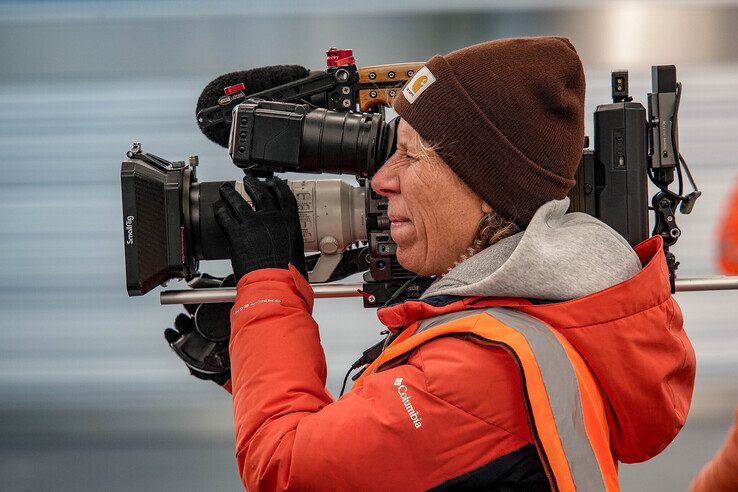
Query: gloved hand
{"points": [[266, 236], [200, 338]]}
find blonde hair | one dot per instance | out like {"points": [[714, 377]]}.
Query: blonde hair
{"points": [[426, 150], [492, 228]]}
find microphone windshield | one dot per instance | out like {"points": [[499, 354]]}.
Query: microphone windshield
{"points": [[255, 80]]}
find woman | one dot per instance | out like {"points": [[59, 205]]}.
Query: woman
{"points": [[546, 351]]}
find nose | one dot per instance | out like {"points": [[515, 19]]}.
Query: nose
{"points": [[386, 181]]}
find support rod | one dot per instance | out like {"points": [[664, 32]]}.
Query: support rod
{"points": [[323, 291], [717, 282], [228, 294]]}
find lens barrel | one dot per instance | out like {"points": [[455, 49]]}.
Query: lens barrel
{"points": [[340, 142], [205, 236], [282, 137]]}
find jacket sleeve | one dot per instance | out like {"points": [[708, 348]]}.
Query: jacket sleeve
{"points": [[390, 433]]}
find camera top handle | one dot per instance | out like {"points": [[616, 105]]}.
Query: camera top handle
{"points": [[342, 86]]}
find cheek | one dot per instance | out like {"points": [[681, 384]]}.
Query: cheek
{"points": [[421, 197], [424, 201], [432, 210], [445, 215]]}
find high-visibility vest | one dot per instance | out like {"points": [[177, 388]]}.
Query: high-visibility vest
{"points": [[564, 403]]}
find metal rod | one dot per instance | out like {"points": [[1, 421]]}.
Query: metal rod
{"points": [[228, 294], [717, 282], [323, 291]]}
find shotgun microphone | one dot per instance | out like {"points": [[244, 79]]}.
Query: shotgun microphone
{"points": [[233, 86]]}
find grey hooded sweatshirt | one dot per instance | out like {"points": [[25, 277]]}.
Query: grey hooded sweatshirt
{"points": [[558, 257]]}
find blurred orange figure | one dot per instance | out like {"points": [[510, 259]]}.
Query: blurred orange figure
{"points": [[721, 473], [728, 236]]}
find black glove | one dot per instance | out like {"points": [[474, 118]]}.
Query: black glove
{"points": [[200, 338], [266, 236]]}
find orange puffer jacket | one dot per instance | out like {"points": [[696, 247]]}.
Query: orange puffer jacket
{"points": [[461, 417]]}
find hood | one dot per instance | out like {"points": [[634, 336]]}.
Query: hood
{"points": [[614, 306], [558, 257]]}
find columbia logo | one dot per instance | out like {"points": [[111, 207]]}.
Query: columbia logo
{"points": [[405, 398]]}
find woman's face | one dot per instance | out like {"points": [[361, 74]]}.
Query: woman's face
{"points": [[434, 214]]}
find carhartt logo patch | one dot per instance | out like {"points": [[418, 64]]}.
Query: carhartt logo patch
{"points": [[420, 82]]}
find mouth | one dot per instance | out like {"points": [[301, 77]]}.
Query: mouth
{"points": [[395, 217], [400, 227], [398, 220]]}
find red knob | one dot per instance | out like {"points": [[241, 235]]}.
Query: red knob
{"points": [[234, 88], [339, 58]]}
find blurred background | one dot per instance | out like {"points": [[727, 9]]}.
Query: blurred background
{"points": [[91, 397]]}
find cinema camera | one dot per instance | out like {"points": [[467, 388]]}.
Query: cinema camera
{"points": [[313, 122], [333, 121]]}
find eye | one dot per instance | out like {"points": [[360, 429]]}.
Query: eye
{"points": [[405, 155]]}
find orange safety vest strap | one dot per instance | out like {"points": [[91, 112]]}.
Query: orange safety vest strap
{"points": [[553, 389]]}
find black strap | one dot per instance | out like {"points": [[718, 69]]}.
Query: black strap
{"points": [[520, 470]]}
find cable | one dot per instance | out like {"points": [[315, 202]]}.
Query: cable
{"points": [[679, 159], [674, 140], [399, 291], [345, 380], [689, 174], [367, 357], [677, 99]]}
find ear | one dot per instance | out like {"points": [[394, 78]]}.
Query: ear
{"points": [[486, 208]]}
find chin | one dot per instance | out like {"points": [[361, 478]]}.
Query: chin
{"points": [[413, 262], [405, 260]]}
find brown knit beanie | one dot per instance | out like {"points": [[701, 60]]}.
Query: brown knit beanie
{"points": [[507, 116]]}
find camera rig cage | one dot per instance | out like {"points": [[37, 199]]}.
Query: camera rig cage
{"points": [[341, 87], [632, 144]]}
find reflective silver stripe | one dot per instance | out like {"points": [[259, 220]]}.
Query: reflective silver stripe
{"points": [[562, 387], [564, 397], [429, 323]]}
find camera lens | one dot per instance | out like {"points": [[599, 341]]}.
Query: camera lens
{"points": [[286, 137], [205, 236], [340, 142]]}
